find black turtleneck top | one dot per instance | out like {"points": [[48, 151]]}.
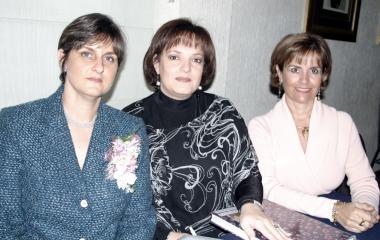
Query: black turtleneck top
{"points": [[202, 160]]}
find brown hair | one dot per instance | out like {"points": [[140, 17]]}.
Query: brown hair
{"points": [[173, 33], [298, 46], [90, 28]]}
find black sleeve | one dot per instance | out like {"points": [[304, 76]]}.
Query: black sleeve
{"points": [[161, 232], [247, 178], [135, 109], [138, 109], [249, 190]]}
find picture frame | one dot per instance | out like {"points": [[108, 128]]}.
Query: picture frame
{"points": [[333, 19], [378, 34]]}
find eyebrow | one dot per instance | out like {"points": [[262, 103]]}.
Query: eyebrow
{"points": [[299, 65], [93, 50], [179, 52]]}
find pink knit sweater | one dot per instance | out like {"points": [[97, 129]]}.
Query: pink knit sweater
{"points": [[294, 178]]}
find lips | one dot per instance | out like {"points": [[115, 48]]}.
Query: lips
{"points": [[183, 79], [95, 79], [303, 90]]}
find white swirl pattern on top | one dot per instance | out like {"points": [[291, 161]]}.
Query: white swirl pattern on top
{"points": [[217, 158]]}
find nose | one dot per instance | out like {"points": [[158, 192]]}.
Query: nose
{"points": [[186, 65], [98, 66], [304, 76]]}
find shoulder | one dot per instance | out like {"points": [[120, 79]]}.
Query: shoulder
{"points": [[33, 110], [224, 106], [258, 122], [263, 122], [134, 108], [222, 103], [220, 100], [259, 126], [137, 108], [208, 96], [23, 121], [122, 119], [224, 110], [343, 118], [23, 113]]}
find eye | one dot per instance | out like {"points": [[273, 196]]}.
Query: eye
{"points": [[198, 60], [315, 70], [294, 69], [87, 55], [110, 59], [173, 57]]}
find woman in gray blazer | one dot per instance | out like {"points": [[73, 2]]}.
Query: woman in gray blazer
{"points": [[72, 167]]}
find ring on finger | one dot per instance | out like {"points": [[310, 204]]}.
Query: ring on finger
{"points": [[281, 230], [362, 223]]}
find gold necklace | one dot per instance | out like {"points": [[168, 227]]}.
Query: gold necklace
{"points": [[304, 130]]}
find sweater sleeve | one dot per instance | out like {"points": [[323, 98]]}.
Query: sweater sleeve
{"points": [[246, 193], [139, 220], [361, 178], [161, 232], [274, 191], [247, 178], [12, 225]]}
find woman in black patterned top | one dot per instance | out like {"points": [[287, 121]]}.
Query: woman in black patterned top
{"points": [[202, 159]]}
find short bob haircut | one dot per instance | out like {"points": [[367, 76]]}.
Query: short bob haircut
{"points": [[174, 33], [298, 46], [90, 29]]}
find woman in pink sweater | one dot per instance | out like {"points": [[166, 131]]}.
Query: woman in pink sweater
{"points": [[305, 147]]}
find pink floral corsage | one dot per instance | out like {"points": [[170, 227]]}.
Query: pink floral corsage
{"points": [[122, 161]]}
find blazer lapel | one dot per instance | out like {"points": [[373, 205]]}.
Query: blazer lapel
{"points": [[100, 142], [57, 140]]}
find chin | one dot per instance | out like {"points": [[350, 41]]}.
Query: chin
{"points": [[185, 91], [301, 99], [96, 92], [306, 100]]}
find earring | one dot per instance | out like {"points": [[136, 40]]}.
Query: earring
{"points": [[158, 83], [65, 69], [319, 95], [200, 88], [280, 89]]}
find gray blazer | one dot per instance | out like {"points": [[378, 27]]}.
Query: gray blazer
{"points": [[43, 192]]}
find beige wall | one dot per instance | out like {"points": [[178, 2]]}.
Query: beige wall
{"points": [[244, 32], [29, 36]]}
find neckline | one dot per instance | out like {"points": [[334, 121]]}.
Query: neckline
{"points": [[157, 111], [175, 105], [78, 124]]}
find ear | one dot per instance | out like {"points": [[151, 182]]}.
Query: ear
{"points": [[156, 63], [60, 55], [279, 73]]}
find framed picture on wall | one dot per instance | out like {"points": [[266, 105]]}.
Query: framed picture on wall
{"points": [[378, 34], [333, 19]]}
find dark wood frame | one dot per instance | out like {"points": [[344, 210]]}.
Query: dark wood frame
{"points": [[332, 24]]}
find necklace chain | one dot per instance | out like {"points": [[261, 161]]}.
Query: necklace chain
{"points": [[304, 130], [78, 124]]}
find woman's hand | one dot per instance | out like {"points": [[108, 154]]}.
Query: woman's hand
{"points": [[253, 217], [176, 235], [356, 217]]}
